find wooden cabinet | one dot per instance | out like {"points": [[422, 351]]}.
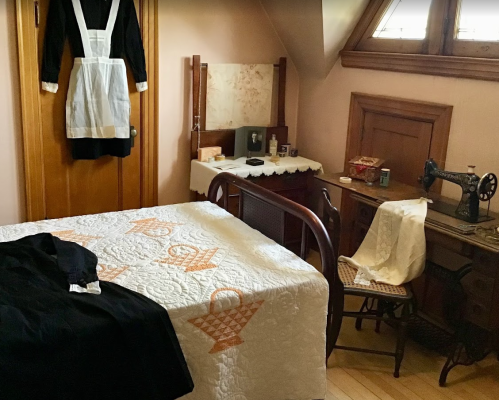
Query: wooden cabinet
{"points": [[438, 297], [294, 186], [482, 288]]}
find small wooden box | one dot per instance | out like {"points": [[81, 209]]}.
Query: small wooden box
{"points": [[365, 168], [206, 152]]}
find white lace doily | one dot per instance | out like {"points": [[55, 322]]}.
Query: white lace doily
{"points": [[202, 173]]}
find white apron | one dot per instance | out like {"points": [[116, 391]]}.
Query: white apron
{"points": [[98, 105]]}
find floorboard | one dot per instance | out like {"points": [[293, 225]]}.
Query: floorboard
{"points": [[359, 376]]}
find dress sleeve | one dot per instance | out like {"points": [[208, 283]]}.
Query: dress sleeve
{"points": [[134, 49], [55, 36]]}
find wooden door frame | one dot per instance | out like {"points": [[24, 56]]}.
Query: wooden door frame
{"points": [[29, 74]]}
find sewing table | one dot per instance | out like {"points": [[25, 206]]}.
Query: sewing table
{"points": [[458, 295]]}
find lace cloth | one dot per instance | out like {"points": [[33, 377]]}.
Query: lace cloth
{"points": [[202, 173], [394, 249]]}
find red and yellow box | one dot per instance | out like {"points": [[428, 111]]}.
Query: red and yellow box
{"points": [[365, 168]]}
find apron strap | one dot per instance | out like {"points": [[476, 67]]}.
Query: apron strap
{"points": [[87, 49], [112, 18]]}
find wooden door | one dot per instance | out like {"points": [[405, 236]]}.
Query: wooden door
{"points": [[402, 132], [56, 185]]}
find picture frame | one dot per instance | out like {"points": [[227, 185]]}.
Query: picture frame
{"points": [[250, 141]]}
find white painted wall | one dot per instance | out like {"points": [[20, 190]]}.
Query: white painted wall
{"points": [[314, 31], [11, 165]]}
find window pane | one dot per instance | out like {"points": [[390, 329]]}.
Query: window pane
{"points": [[404, 19], [479, 20]]}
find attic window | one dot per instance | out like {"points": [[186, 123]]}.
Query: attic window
{"points": [[438, 37], [478, 20], [404, 19]]}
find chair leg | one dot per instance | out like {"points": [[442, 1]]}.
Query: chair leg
{"points": [[358, 321], [401, 338], [380, 310], [335, 319]]}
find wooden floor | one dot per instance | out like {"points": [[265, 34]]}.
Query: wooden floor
{"points": [[360, 376]]}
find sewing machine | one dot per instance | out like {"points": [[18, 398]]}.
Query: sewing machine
{"points": [[475, 189]]}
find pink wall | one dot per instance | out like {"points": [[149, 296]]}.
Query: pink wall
{"points": [[221, 31], [324, 109], [11, 172]]}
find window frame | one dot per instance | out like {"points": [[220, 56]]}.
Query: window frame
{"points": [[440, 53]]}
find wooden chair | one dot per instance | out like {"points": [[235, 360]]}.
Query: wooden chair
{"points": [[381, 300]]}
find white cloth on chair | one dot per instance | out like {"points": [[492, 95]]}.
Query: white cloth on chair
{"points": [[394, 249]]}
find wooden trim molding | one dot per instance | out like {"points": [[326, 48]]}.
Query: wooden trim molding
{"points": [[460, 67], [150, 106], [30, 110], [373, 8], [27, 34], [438, 54]]}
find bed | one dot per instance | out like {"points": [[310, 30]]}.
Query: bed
{"points": [[253, 319]]}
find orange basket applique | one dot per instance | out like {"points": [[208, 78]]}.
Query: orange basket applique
{"points": [[108, 274], [149, 225], [190, 257], [225, 326], [72, 236]]}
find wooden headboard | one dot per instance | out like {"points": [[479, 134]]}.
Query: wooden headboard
{"points": [[225, 138]]}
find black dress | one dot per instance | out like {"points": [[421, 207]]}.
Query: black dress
{"points": [[125, 42], [60, 345]]}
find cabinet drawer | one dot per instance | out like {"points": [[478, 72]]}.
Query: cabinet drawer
{"points": [[485, 262], [365, 214], [479, 286], [477, 312]]}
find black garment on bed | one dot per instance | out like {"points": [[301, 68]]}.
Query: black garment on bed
{"points": [[60, 345]]}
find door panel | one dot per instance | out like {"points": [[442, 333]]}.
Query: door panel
{"points": [[403, 143], [76, 187]]}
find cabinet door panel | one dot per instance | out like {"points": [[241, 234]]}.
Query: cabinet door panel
{"points": [[403, 143]]}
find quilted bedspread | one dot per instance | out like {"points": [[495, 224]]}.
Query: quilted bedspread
{"points": [[250, 315]]}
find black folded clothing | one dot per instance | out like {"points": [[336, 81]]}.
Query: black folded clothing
{"points": [[61, 345]]}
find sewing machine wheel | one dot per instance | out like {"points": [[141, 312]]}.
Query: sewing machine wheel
{"points": [[487, 186]]}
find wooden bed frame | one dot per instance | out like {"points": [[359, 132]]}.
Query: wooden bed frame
{"points": [[265, 211]]}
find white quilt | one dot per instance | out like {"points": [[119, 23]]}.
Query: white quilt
{"points": [[250, 315]]}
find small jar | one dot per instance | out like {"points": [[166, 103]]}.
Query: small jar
{"points": [[220, 157], [385, 177]]}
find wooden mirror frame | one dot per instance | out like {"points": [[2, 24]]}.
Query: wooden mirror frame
{"points": [[200, 137]]}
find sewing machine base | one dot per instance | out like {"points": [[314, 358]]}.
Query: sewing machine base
{"points": [[450, 209]]}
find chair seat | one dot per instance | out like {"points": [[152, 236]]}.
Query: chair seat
{"points": [[347, 275]]}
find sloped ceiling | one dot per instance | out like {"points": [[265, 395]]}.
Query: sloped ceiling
{"points": [[314, 31]]}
